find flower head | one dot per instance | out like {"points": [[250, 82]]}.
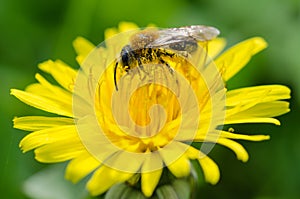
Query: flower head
{"points": [[132, 133]]}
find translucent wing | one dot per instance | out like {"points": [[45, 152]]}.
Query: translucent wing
{"points": [[183, 38]]}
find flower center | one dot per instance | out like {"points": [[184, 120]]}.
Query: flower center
{"points": [[143, 106]]}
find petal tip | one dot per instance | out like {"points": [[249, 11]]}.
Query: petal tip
{"points": [[260, 42], [12, 91]]}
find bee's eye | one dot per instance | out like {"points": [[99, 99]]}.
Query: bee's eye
{"points": [[124, 58], [125, 55]]}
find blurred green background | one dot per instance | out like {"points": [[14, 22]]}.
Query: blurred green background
{"points": [[35, 30]]}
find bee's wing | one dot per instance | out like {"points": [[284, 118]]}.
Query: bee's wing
{"points": [[165, 40], [200, 33], [177, 35]]}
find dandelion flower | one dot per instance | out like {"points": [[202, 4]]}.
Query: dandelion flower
{"points": [[130, 135]]}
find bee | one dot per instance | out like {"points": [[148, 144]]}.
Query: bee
{"points": [[152, 45]]}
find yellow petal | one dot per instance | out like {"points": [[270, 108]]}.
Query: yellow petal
{"points": [[61, 72], [235, 58], [256, 104], [43, 103], [126, 26], [239, 120], [230, 135], [214, 47], [120, 161], [150, 179], [262, 113], [123, 27], [237, 148], [35, 123], [151, 25], [81, 166], [110, 32], [104, 178], [210, 169], [59, 151], [181, 167], [172, 152], [47, 136], [53, 94], [264, 93], [268, 109], [82, 46], [192, 153], [46, 89]]}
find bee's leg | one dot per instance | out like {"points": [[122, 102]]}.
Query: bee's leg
{"points": [[165, 63], [141, 67], [172, 72], [140, 64], [161, 75], [115, 75], [171, 55]]}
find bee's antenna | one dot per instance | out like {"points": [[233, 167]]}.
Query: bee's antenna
{"points": [[115, 75]]}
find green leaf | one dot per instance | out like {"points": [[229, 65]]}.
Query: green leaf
{"points": [[165, 192], [116, 191], [183, 188], [50, 184]]}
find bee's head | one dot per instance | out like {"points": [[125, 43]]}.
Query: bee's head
{"points": [[125, 60], [127, 57]]}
